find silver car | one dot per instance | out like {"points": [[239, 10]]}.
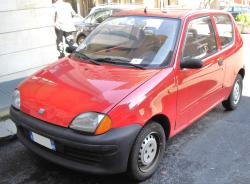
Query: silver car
{"points": [[96, 16]]}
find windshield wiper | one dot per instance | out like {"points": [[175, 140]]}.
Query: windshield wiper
{"points": [[85, 57], [123, 61]]}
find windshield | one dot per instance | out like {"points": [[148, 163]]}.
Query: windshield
{"points": [[144, 41]]}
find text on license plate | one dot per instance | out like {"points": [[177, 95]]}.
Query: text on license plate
{"points": [[44, 141]]}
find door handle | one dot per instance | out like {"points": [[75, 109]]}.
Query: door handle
{"points": [[220, 62]]}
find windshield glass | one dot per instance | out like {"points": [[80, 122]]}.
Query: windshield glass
{"points": [[144, 41]]}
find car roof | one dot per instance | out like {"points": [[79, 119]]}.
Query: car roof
{"points": [[114, 7], [179, 13]]}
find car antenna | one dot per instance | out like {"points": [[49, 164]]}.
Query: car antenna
{"points": [[145, 9]]}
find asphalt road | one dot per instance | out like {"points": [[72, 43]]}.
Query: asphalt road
{"points": [[214, 150]]}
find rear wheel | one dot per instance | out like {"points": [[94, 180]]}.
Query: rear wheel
{"points": [[147, 152], [234, 99]]}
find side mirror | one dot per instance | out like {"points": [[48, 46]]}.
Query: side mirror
{"points": [[191, 63], [70, 49]]}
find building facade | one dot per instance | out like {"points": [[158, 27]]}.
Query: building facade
{"points": [[84, 6], [27, 36], [242, 2], [148, 3]]}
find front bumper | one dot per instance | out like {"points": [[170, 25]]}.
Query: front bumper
{"points": [[102, 154]]}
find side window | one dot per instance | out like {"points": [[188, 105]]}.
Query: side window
{"points": [[88, 19], [101, 16], [200, 39], [225, 29]]}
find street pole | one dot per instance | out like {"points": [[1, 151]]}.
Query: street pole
{"points": [[162, 4], [78, 7]]}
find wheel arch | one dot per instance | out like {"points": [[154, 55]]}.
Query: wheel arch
{"points": [[81, 34], [242, 72], [163, 121]]}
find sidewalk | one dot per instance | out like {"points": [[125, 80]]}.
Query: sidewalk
{"points": [[7, 131], [6, 90], [7, 127]]}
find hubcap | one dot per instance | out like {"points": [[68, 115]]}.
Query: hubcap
{"points": [[148, 152], [236, 92]]}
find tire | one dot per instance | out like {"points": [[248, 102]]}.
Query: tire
{"points": [[234, 98], [147, 152], [80, 38]]}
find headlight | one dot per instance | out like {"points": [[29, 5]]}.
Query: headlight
{"points": [[91, 122], [15, 101]]}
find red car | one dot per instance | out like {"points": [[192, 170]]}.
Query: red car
{"points": [[137, 80]]}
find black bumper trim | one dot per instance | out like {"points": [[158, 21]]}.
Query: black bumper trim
{"points": [[102, 154]]}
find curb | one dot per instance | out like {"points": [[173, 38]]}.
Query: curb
{"points": [[4, 113], [8, 138], [8, 131]]}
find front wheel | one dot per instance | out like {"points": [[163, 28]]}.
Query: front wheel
{"points": [[234, 99], [147, 152], [80, 39]]}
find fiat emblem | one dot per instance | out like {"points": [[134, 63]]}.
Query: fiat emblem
{"points": [[41, 111]]}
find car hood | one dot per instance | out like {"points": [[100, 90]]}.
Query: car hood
{"points": [[82, 24], [71, 87]]}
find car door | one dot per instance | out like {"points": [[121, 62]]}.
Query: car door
{"points": [[198, 89], [228, 55], [101, 16], [88, 24], [95, 19]]}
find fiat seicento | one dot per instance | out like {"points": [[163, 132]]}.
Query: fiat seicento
{"points": [[137, 80]]}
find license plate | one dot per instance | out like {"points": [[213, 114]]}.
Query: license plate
{"points": [[44, 141]]}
